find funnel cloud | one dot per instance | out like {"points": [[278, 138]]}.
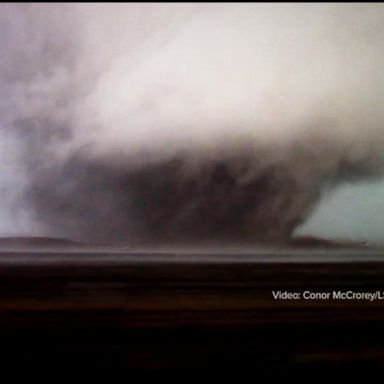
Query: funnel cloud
{"points": [[159, 123]]}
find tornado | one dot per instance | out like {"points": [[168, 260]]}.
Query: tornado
{"points": [[185, 123]]}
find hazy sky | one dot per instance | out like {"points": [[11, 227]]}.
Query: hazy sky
{"points": [[354, 211]]}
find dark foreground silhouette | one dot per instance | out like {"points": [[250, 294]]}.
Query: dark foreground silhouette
{"points": [[74, 311]]}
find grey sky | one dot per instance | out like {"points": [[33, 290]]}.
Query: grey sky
{"points": [[353, 211]]}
